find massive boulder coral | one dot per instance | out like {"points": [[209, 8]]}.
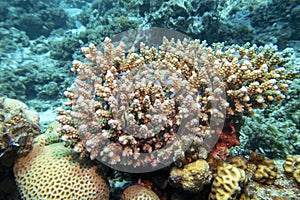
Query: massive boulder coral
{"points": [[54, 172], [192, 177], [118, 95], [228, 182]]}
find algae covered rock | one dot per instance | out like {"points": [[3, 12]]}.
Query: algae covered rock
{"points": [[18, 127]]}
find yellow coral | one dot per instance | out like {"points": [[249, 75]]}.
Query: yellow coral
{"points": [[227, 183], [49, 137], [53, 172], [138, 192], [289, 164], [292, 166], [296, 173], [192, 177], [266, 172]]}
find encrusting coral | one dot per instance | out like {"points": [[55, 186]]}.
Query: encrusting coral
{"points": [[126, 104], [255, 178], [55, 172]]}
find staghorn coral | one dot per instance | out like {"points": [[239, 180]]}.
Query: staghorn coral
{"points": [[54, 172], [137, 192], [192, 177], [115, 101]]}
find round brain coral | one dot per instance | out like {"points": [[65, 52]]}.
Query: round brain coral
{"points": [[138, 192], [53, 172], [227, 183]]}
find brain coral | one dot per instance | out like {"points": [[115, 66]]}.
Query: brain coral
{"points": [[52, 172], [227, 183], [138, 192]]}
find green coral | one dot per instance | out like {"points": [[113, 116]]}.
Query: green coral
{"points": [[275, 130]]}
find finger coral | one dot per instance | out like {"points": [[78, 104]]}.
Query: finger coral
{"points": [[145, 107], [54, 172]]}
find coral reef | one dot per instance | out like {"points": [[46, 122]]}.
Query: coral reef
{"points": [[18, 127], [37, 19], [224, 21], [283, 187], [54, 172], [108, 111], [38, 39], [227, 139], [233, 22], [136, 192]]}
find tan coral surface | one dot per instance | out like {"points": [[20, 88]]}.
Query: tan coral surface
{"points": [[227, 183], [192, 177], [138, 192], [52, 172]]}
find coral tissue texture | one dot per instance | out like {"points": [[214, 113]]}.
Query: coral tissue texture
{"points": [[115, 102], [138, 192], [53, 172]]}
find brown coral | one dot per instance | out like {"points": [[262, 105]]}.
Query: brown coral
{"points": [[18, 126], [53, 172], [265, 170]]}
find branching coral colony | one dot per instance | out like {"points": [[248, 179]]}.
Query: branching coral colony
{"points": [[126, 105]]}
